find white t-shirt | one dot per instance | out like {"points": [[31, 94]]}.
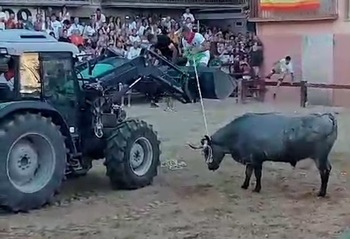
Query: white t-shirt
{"points": [[134, 38], [74, 27], [3, 19], [285, 68], [56, 26], [189, 15], [133, 53], [197, 41], [89, 31], [132, 25], [141, 31]]}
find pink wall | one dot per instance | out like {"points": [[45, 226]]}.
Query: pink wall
{"points": [[278, 45], [341, 69]]}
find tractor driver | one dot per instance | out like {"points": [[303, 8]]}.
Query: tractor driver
{"points": [[164, 45], [196, 48], [8, 77]]}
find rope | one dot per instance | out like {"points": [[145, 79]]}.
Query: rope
{"points": [[201, 98]]}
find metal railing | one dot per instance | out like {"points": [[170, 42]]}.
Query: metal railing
{"points": [[169, 3], [328, 10]]}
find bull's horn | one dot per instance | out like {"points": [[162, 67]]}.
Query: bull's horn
{"points": [[194, 147]]}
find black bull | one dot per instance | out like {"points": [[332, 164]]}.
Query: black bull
{"points": [[258, 137]]}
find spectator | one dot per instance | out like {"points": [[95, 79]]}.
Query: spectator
{"points": [[134, 51], [134, 37], [39, 24], [64, 37], [126, 35], [55, 26], [256, 56], [76, 26], [11, 22], [119, 49], [29, 25], [189, 15], [64, 14], [76, 38], [163, 44], [2, 20], [100, 18]]}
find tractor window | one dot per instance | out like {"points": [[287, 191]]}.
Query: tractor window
{"points": [[58, 76], [7, 75], [59, 83], [30, 74]]}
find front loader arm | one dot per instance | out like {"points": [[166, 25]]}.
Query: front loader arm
{"points": [[140, 68]]}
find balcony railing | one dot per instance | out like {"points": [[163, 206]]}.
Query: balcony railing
{"points": [[45, 2], [174, 3], [327, 11]]}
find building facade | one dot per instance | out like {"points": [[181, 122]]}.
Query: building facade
{"points": [[316, 40]]}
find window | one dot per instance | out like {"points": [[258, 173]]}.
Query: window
{"points": [[59, 83], [58, 79], [239, 24], [30, 74]]}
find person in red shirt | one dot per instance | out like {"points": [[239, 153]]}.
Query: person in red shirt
{"points": [[76, 38], [11, 22]]}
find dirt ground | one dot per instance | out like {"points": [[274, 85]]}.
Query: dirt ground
{"points": [[187, 201]]}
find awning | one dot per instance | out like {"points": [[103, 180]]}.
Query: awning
{"points": [[289, 5]]}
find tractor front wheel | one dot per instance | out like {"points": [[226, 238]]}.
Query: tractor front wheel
{"points": [[132, 155], [32, 161]]}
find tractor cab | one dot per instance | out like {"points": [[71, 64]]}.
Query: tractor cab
{"points": [[35, 66]]}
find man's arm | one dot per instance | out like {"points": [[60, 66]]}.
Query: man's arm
{"points": [[174, 50]]}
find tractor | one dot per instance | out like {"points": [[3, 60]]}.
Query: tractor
{"points": [[54, 120]]}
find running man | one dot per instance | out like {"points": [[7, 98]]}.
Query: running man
{"points": [[195, 47], [282, 68]]}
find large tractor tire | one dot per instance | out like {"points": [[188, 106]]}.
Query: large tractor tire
{"points": [[32, 161], [132, 155]]}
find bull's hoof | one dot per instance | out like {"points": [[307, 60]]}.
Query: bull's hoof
{"points": [[245, 186], [257, 190], [321, 194]]}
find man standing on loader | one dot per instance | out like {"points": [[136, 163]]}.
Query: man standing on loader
{"points": [[196, 49]]}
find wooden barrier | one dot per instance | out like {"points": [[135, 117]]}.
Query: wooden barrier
{"points": [[304, 85], [259, 86]]}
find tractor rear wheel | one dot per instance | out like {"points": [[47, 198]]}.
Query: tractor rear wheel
{"points": [[32, 161], [132, 155]]}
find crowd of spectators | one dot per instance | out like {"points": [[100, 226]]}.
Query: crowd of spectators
{"points": [[128, 35]]}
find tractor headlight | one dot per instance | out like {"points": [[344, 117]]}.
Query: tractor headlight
{"points": [[3, 51]]}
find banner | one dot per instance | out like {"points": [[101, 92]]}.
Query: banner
{"points": [[289, 5]]}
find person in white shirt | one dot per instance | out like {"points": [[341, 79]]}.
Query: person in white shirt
{"points": [[64, 14], [75, 27], [282, 68], [188, 14], [134, 37], [195, 46], [134, 51], [100, 18], [2, 20], [56, 26]]}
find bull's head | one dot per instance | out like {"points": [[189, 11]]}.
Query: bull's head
{"points": [[213, 154]]}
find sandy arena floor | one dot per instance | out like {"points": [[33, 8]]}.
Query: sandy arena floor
{"points": [[188, 201]]}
